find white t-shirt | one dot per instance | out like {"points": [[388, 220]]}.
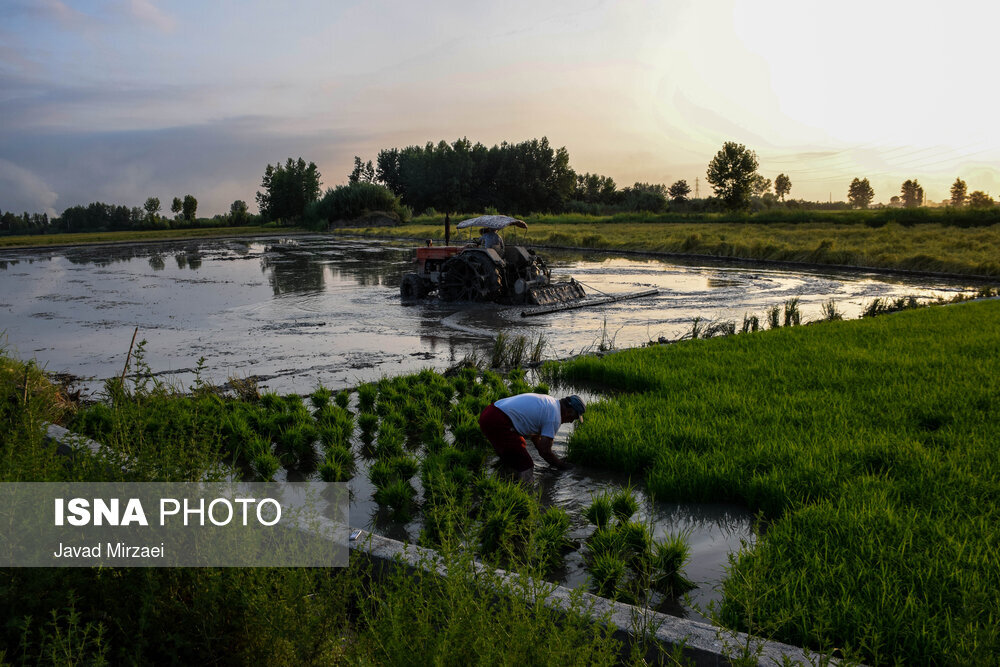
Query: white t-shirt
{"points": [[532, 414]]}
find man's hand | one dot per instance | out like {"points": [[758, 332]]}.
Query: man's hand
{"points": [[544, 446]]}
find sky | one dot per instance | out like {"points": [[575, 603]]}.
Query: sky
{"points": [[120, 100]]}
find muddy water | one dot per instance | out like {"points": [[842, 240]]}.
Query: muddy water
{"points": [[313, 310], [299, 312]]}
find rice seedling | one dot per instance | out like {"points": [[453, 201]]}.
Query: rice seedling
{"points": [[668, 559], [751, 324], [773, 317], [830, 311], [498, 352], [623, 504], [331, 471], [390, 440], [367, 394], [607, 572], [599, 511], [537, 350], [792, 316], [398, 496], [516, 351], [720, 328], [343, 399], [296, 446], [550, 539], [321, 397]]}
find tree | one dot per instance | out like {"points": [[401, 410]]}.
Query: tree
{"points": [[189, 207], [980, 199], [761, 186], [152, 207], [782, 186], [238, 213], [288, 189], [363, 172], [650, 197], [176, 206], [912, 193], [679, 191], [860, 193], [731, 173], [958, 190]]}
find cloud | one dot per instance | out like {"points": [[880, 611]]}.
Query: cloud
{"points": [[147, 12], [217, 162], [22, 190]]}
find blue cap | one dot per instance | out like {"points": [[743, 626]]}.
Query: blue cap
{"points": [[575, 403]]}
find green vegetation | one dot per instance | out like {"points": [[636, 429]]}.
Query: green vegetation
{"points": [[869, 449], [884, 239], [265, 615], [353, 201], [624, 561]]}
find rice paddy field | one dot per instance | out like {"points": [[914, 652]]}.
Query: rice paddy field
{"points": [[933, 246], [870, 451]]}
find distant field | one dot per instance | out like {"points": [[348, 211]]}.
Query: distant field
{"points": [[924, 247], [870, 448], [138, 236]]}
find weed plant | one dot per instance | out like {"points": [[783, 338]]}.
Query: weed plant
{"points": [[869, 449]]}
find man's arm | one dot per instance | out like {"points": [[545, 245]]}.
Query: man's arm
{"points": [[544, 446]]}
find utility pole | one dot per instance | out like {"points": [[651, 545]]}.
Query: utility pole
{"points": [[697, 195]]}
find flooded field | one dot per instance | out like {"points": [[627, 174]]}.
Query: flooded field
{"points": [[309, 310], [299, 312]]}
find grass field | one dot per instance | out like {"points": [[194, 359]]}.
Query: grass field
{"points": [[870, 449], [924, 247], [137, 236]]}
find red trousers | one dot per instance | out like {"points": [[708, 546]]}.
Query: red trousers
{"points": [[507, 442]]}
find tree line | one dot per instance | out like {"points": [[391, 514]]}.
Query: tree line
{"points": [[518, 178]]}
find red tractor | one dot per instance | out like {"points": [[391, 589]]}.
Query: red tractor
{"points": [[486, 270]]}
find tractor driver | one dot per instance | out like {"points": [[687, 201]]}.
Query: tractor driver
{"points": [[507, 422], [488, 238]]}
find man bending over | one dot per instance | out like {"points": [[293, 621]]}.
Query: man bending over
{"points": [[507, 422]]}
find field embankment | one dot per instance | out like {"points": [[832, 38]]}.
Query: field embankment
{"points": [[933, 247], [870, 448]]}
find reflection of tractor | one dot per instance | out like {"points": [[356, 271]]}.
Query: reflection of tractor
{"points": [[510, 274]]}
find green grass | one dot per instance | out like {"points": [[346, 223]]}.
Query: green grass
{"points": [[837, 239], [84, 238], [869, 447]]}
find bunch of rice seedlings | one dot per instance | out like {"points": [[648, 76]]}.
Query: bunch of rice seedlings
{"points": [[465, 431], [751, 324], [623, 504], [237, 433], [537, 350], [541, 388], [494, 385], [774, 317], [599, 511], [498, 352], [367, 394], [390, 440], [368, 423], [320, 397], [508, 512], [343, 399], [336, 423], [398, 496], [550, 539], [608, 574], [263, 462], [271, 402], [431, 427], [792, 316], [338, 464], [720, 328], [296, 446], [668, 557], [830, 312]]}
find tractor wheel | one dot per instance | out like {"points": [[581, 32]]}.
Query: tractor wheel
{"points": [[412, 287], [470, 276]]}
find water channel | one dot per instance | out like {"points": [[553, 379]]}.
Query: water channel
{"points": [[297, 312]]}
